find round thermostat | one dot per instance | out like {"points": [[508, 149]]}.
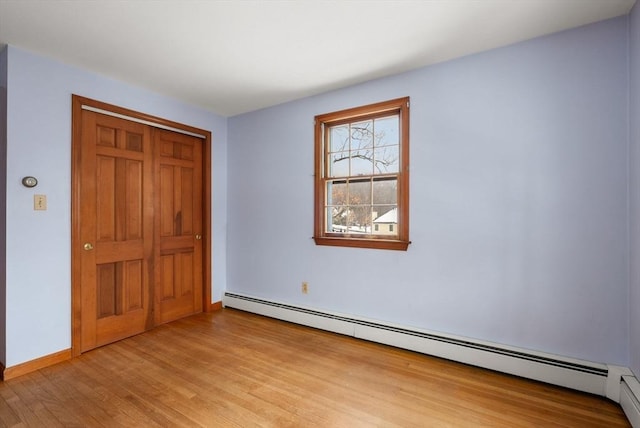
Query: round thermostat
{"points": [[29, 182]]}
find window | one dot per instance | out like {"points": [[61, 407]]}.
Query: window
{"points": [[362, 176]]}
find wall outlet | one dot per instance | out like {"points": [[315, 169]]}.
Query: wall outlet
{"points": [[305, 288]]}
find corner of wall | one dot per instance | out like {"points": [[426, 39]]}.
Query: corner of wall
{"points": [[4, 66], [634, 188], [614, 377]]}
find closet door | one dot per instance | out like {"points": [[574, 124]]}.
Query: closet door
{"points": [[116, 229], [178, 225], [141, 195]]}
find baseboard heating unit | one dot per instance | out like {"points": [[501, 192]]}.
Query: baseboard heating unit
{"points": [[600, 379], [630, 399]]}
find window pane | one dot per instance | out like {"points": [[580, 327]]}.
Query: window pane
{"points": [[387, 131], [337, 219], [385, 221], [362, 135], [360, 193], [339, 138], [336, 193], [387, 159], [385, 192], [362, 162], [360, 219], [339, 164]]}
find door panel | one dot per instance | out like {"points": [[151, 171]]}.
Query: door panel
{"points": [[179, 225], [116, 223]]}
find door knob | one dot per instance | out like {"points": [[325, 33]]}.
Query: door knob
{"points": [[88, 246], [198, 237]]}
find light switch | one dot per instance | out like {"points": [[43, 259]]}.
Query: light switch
{"points": [[39, 202]]}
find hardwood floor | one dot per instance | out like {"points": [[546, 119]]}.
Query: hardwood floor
{"points": [[231, 368]]}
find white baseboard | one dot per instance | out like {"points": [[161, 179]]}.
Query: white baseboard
{"points": [[576, 374]]}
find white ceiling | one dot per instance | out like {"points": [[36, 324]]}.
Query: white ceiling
{"points": [[232, 57]]}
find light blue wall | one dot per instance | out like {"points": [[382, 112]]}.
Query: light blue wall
{"points": [[38, 278], [634, 186], [518, 200], [3, 200]]}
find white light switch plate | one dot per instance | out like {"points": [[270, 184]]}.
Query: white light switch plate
{"points": [[39, 202]]}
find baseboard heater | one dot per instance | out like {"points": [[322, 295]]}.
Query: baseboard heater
{"points": [[595, 378], [630, 399]]}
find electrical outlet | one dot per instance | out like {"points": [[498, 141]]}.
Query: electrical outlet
{"points": [[305, 288]]}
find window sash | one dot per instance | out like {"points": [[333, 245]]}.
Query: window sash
{"points": [[365, 207]]}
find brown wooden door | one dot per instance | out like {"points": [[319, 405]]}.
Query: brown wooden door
{"points": [[116, 229], [138, 226], [178, 225]]}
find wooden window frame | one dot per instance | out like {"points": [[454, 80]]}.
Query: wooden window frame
{"points": [[321, 236]]}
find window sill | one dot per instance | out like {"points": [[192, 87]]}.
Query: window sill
{"points": [[380, 244]]}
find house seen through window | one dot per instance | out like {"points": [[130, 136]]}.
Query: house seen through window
{"points": [[361, 176]]}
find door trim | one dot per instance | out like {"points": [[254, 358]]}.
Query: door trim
{"points": [[78, 103]]}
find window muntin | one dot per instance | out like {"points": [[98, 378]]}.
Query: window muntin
{"points": [[362, 176]]}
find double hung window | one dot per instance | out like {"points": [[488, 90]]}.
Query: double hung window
{"points": [[362, 176]]}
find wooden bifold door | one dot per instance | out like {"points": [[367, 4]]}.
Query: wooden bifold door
{"points": [[138, 213]]}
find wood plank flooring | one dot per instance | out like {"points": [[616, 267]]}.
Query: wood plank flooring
{"points": [[234, 369]]}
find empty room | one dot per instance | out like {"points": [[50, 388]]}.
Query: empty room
{"points": [[320, 213]]}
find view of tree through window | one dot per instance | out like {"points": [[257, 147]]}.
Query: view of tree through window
{"points": [[362, 168], [363, 160]]}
